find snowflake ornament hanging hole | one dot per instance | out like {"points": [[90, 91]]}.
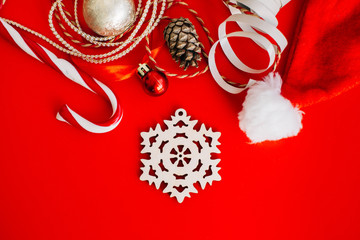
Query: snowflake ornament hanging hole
{"points": [[180, 156]]}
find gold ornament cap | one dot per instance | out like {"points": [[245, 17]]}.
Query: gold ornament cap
{"points": [[143, 69]]}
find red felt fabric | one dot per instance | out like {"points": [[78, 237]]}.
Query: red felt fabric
{"points": [[58, 182], [324, 60]]}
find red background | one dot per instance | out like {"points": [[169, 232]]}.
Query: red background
{"points": [[58, 182]]}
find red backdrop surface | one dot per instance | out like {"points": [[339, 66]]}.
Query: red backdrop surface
{"points": [[58, 182]]}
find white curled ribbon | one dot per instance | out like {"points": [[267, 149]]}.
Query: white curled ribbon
{"points": [[266, 9], [235, 60]]}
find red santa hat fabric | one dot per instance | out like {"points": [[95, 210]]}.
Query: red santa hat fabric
{"points": [[324, 60]]}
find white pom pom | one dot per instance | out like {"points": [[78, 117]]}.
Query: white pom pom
{"points": [[267, 115]]}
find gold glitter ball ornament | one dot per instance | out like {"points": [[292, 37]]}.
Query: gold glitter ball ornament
{"points": [[109, 17]]}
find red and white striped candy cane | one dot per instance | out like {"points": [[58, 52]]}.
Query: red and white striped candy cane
{"points": [[66, 114]]}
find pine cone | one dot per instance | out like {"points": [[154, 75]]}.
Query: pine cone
{"points": [[181, 38]]}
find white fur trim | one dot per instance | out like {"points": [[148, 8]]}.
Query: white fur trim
{"points": [[267, 115]]}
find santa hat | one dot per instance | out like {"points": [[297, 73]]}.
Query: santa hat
{"points": [[323, 62]]}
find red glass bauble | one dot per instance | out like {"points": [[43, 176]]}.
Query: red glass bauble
{"points": [[155, 83]]}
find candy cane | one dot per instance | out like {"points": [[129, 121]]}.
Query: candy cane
{"points": [[66, 114]]}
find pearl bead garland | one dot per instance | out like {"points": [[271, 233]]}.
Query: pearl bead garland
{"points": [[115, 54]]}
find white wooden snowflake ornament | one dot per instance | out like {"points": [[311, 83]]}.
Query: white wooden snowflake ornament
{"points": [[180, 156]]}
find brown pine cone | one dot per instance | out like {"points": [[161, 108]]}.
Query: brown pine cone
{"points": [[181, 38]]}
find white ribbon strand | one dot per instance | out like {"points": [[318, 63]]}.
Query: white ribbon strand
{"points": [[267, 10]]}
